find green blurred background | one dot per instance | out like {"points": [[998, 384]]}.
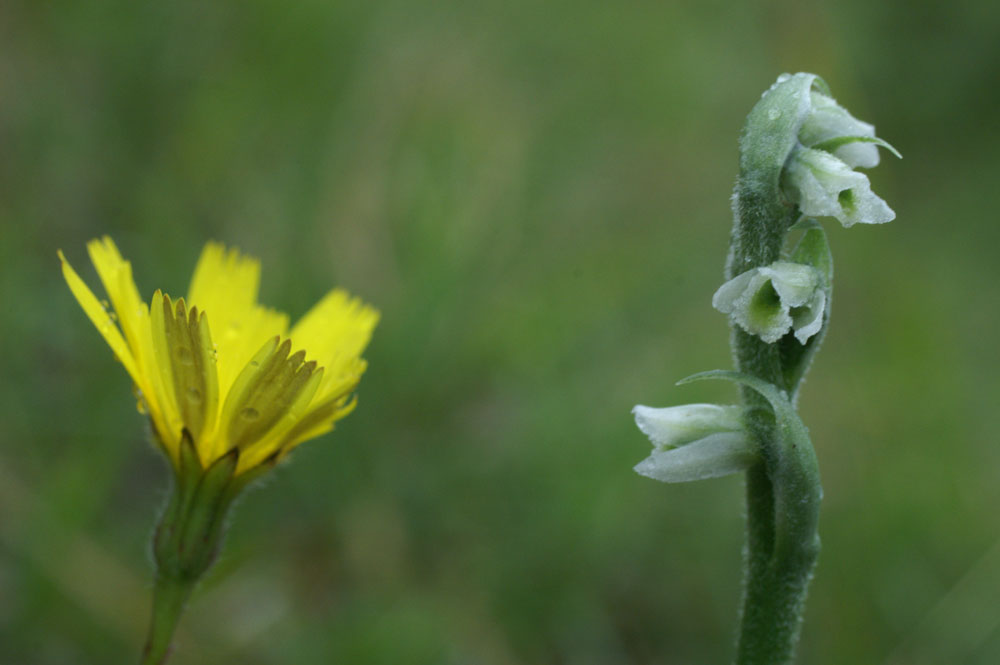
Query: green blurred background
{"points": [[536, 197]]}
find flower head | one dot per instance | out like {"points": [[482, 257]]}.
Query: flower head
{"points": [[220, 367], [819, 174]]}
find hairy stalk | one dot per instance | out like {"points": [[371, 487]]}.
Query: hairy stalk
{"points": [[774, 583], [169, 598], [187, 539]]}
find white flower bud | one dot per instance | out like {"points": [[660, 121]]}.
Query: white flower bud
{"points": [[693, 442], [771, 300], [823, 185]]}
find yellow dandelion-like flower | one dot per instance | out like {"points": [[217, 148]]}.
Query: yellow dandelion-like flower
{"points": [[220, 369]]}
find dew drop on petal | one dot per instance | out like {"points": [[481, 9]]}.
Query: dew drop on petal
{"points": [[140, 400], [194, 395], [249, 413]]}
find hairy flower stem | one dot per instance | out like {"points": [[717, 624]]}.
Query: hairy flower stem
{"points": [[782, 545], [169, 597], [187, 538], [775, 582]]}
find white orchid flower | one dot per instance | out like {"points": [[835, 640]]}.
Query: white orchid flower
{"points": [[772, 300], [693, 442]]}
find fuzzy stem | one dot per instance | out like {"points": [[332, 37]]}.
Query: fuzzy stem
{"points": [[187, 539], [777, 575], [778, 559], [169, 597]]}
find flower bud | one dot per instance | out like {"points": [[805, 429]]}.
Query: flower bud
{"points": [[693, 442], [769, 301]]}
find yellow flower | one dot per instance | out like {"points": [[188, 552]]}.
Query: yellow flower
{"points": [[219, 365]]}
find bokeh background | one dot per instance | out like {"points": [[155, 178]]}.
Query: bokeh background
{"points": [[535, 194]]}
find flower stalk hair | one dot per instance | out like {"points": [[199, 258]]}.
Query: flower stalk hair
{"points": [[798, 153], [229, 390]]}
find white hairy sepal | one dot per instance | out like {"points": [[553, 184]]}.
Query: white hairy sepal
{"points": [[824, 186], [771, 300], [715, 455], [676, 426]]}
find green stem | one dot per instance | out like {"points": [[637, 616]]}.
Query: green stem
{"points": [[776, 582], [782, 544], [169, 598], [187, 539]]}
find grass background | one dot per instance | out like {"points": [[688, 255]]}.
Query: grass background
{"points": [[536, 197]]}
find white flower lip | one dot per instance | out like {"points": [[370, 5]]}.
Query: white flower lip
{"points": [[769, 301]]}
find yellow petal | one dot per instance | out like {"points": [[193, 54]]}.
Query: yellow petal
{"points": [[224, 286], [173, 423], [116, 276], [100, 318], [271, 443], [153, 390], [318, 421], [264, 395], [335, 332], [188, 344], [133, 314], [224, 281]]}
